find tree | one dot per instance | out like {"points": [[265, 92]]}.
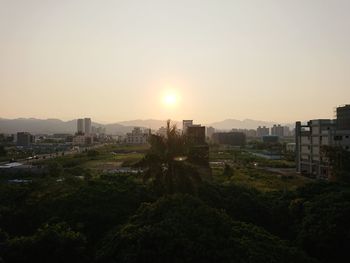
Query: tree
{"points": [[166, 163], [339, 160], [3, 151], [180, 228], [325, 228], [51, 243]]}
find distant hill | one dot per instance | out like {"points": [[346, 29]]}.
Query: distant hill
{"points": [[150, 123], [50, 126]]}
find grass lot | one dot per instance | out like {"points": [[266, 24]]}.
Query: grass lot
{"points": [[260, 179], [107, 157], [244, 173]]}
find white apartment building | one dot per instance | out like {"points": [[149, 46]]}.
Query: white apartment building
{"points": [[312, 136], [138, 136]]}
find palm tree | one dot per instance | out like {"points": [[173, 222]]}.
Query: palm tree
{"points": [[166, 163]]}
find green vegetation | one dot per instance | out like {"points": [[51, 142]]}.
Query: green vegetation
{"points": [[83, 210], [181, 228]]}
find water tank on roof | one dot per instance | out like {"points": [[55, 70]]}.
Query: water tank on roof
{"points": [[343, 117]]}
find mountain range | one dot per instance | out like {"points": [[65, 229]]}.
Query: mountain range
{"points": [[51, 126]]}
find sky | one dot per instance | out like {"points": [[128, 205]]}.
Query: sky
{"points": [[207, 60]]}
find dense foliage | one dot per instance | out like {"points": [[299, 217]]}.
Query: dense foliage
{"points": [[71, 214], [181, 228]]}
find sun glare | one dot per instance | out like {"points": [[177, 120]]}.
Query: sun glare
{"points": [[170, 99]]}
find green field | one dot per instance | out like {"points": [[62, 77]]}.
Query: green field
{"points": [[245, 173]]}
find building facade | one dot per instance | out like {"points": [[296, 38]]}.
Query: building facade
{"points": [[87, 126], [185, 124], [277, 130], [80, 126], [310, 138], [230, 138], [138, 136], [25, 139], [196, 134], [81, 140], [262, 131]]}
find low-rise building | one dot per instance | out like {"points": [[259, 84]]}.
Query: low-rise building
{"points": [[25, 139], [81, 140], [230, 138]]}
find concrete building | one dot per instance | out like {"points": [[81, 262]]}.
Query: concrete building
{"points": [[196, 134], [312, 136], [80, 126], [193, 132], [185, 124], [138, 136], [25, 139], [262, 131], [230, 138], [277, 130], [87, 126]]}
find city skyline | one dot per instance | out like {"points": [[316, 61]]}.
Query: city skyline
{"points": [[207, 60]]}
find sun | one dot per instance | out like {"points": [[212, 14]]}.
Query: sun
{"points": [[170, 99]]}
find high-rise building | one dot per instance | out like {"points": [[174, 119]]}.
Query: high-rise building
{"points": [[185, 124], [87, 126], [311, 137], [80, 126], [262, 131], [24, 139]]}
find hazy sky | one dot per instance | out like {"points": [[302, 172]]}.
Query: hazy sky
{"points": [[280, 60]]}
